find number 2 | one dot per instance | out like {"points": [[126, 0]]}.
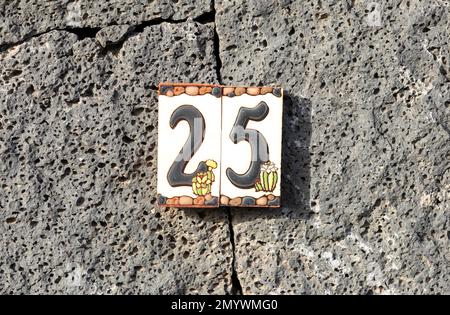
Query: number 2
{"points": [[176, 176]]}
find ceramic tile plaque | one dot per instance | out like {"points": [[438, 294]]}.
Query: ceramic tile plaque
{"points": [[251, 147], [219, 146], [189, 120]]}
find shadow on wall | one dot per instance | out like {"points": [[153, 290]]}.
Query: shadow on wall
{"points": [[295, 182], [296, 170]]}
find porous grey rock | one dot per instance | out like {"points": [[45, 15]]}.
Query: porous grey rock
{"points": [[78, 168], [366, 144], [365, 163], [112, 35], [19, 20]]}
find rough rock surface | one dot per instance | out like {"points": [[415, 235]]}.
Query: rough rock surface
{"points": [[20, 19], [77, 177], [366, 172], [366, 144]]}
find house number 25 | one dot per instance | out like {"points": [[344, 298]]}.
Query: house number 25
{"points": [[219, 146]]}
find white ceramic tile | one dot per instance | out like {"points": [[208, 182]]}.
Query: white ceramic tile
{"points": [[177, 190], [237, 189]]}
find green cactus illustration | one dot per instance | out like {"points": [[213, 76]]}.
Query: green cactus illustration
{"points": [[202, 181], [268, 177], [258, 186]]}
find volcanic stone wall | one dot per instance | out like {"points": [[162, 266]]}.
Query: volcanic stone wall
{"points": [[366, 158]]}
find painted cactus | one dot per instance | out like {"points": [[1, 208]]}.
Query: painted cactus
{"points": [[268, 177], [202, 181]]}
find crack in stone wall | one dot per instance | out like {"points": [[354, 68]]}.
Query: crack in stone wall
{"points": [[365, 179], [236, 287], [100, 151], [115, 46], [363, 146]]}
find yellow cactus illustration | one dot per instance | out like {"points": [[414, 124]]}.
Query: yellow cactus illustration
{"points": [[202, 181], [211, 164]]}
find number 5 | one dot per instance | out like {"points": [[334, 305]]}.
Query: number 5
{"points": [[258, 144], [251, 147]]}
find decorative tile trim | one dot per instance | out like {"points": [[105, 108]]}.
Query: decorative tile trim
{"points": [[175, 89], [232, 91], [207, 201], [270, 201]]}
